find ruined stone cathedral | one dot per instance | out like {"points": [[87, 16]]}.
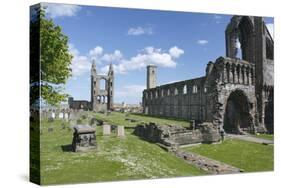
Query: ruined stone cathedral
{"points": [[102, 91], [236, 93]]}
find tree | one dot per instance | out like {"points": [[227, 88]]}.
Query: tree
{"points": [[50, 46]]}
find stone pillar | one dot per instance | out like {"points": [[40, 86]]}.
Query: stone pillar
{"points": [[244, 75], [250, 77], [253, 76], [230, 73], [240, 76], [235, 76]]}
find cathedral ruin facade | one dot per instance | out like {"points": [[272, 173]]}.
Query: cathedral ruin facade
{"points": [[236, 93], [102, 91]]}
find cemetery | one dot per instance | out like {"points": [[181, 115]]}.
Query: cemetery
{"points": [[217, 121], [106, 147]]}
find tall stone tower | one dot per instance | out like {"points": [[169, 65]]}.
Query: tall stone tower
{"points": [[151, 77], [110, 87], [102, 89]]}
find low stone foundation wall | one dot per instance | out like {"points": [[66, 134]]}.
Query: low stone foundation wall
{"points": [[174, 135]]}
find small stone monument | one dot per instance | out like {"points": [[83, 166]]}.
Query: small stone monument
{"points": [[84, 138], [120, 131], [106, 129]]}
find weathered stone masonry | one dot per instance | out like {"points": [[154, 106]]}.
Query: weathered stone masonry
{"points": [[236, 94], [101, 93]]}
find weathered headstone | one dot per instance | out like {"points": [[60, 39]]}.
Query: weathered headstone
{"points": [[84, 138], [53, 115], [66, 116], [120, 131], [106, 129]]}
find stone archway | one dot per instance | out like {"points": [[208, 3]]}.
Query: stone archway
{"points": [[237, 116]]}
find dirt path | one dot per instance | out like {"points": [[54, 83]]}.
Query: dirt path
{"points": [[250, 139]]}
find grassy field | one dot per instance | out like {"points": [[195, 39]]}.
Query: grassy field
{"points": [[115, 158], [117, 118], [118, 159], [249, 156]]}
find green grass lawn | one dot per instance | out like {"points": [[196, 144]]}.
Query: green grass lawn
{"points": [[115, 158], [117, 118], [249, 156], [265, 136]]}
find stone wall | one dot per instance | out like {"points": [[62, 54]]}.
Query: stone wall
{"points": [[184, 100], [174, 136], [249, 78]]}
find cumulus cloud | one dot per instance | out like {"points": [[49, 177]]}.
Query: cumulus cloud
{"points": [[129, 92], [176, 52], [270, 28], [140, 30], [116, 56], [202, 42], [95, 52], [61, 10], [80, 64], [149, 55]]}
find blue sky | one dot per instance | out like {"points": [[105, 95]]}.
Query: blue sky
{"points": [[179, 43]]}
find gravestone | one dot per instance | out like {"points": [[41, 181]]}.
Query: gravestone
{"points": [[66, 116], [84, 138], [53, 115], [120, 131], [106, 129]]}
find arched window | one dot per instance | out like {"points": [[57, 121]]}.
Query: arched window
{"points": [[102, 84], [194, 89], [184, 89], [176, 91]]}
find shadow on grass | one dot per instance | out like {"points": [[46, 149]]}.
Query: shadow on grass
{"points": [[67, 148]]}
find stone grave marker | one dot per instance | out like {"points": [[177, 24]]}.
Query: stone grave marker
{"points": [[84, 138], [120, 131], [106, 129]]}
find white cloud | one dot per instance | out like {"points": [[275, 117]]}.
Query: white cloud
{"points": [[270, 28], [80, 64], [176, 52], [148, 55], [202, 42], [129, 92], [95, 52], [114, 57], [61, 10], [140, 30], [237, 44]]}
